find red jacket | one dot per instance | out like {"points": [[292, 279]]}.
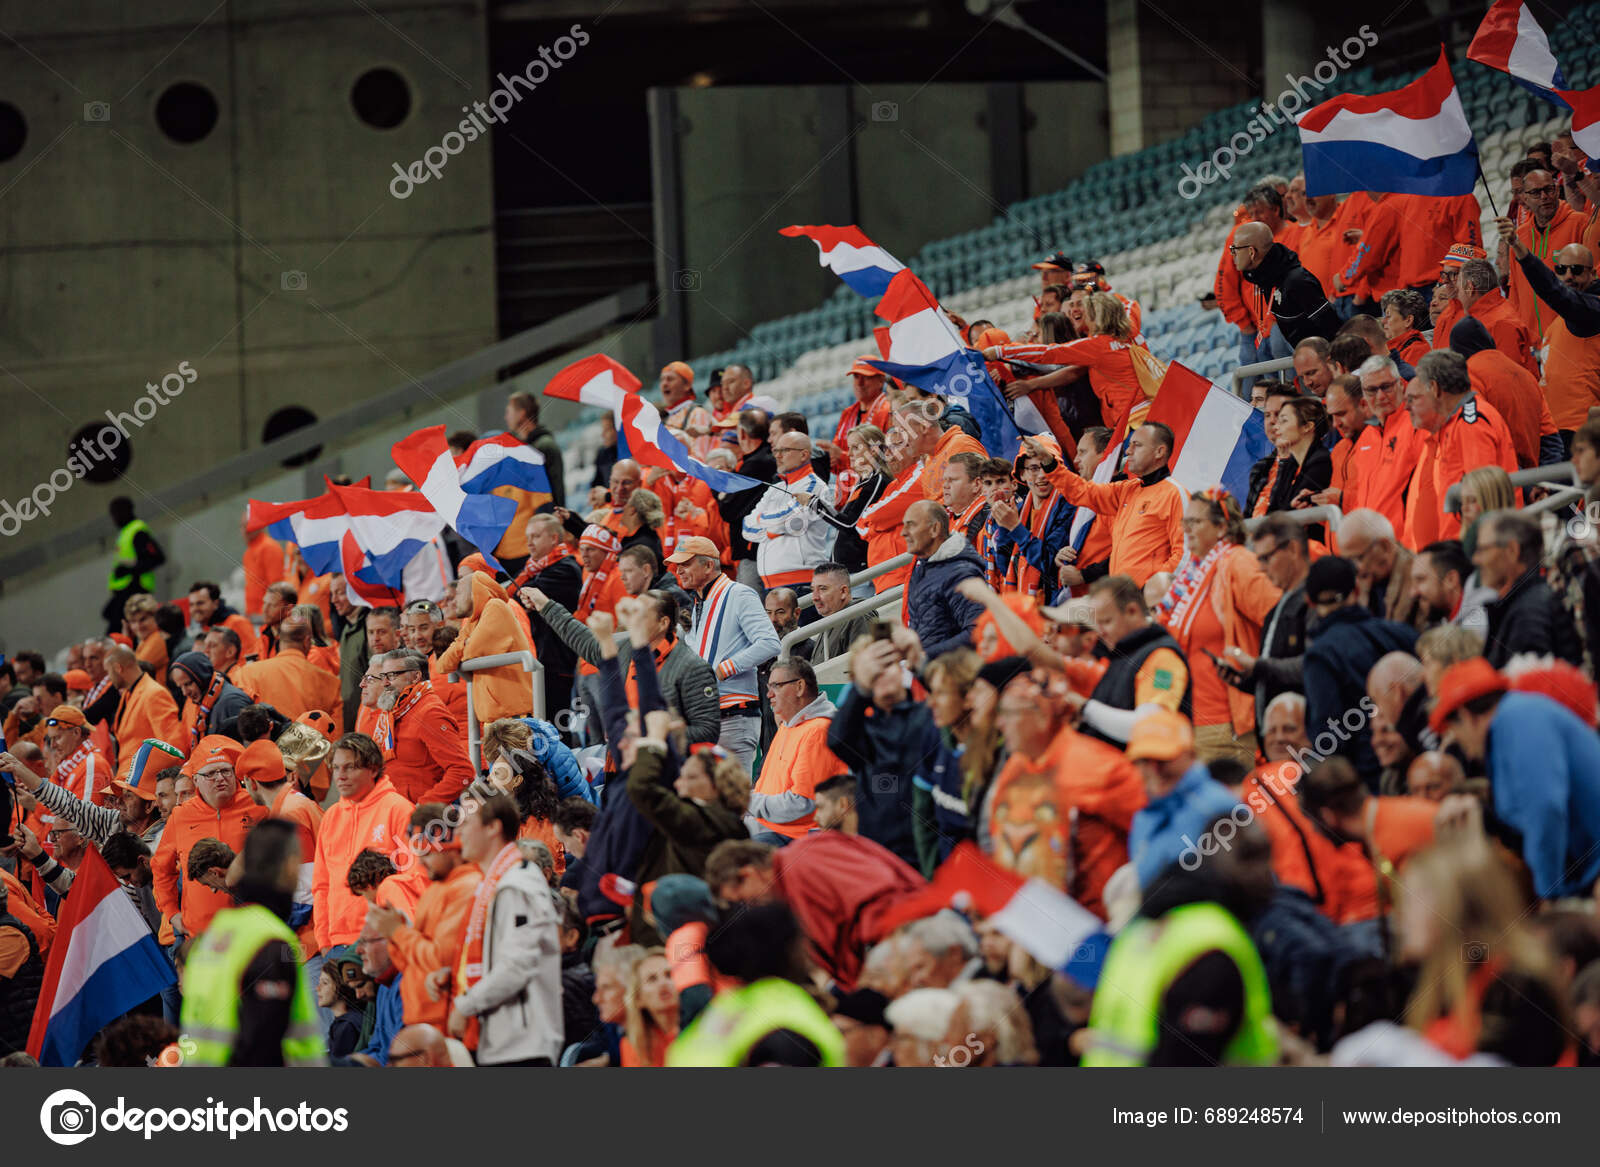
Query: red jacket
{"points": [[429, 761]]}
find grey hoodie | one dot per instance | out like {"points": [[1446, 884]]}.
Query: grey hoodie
{"points": [[788, 806]]}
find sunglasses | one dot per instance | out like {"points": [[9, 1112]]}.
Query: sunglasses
{"points": [[1571, 269], [52, 722]]}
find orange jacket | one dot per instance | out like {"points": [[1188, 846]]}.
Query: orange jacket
{"points": [[1431, 226], [266, 562], [296, 808], [879, 524], [1571, 375], [1401, 827], [1566, 226], [955, 440], [292, 685], [1375, 268], [1242, 597], [796, 761], [146, 710], [1475, 435], [153, 651], [187, 825], [452, 693], [1112, 373], [1385, 456], [325, 657], [1229, 284], [1146, 520], [28, 910], [1322, 248], [433, 940], [1447, 319], [1034, 829], [379, 821], [492, 628], [429, 761], [1511, 334], [1516, 396], [1302, 854]]}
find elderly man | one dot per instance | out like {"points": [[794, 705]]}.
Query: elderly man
{"points": [[1386, 451], [1283, 728], [790, 539], [730, 631], [1311, 369], [830, 591], [626, 477], [1461, 431], [1478, 291], [938, 616], [783, 803], [424, 747], [1396, 688], [100, 702], [1383, 567], [1299, 305], [941, 953], [1525, 616]]}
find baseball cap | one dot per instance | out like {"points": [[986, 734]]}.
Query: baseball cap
{"points": [[1088, 273], [1459, 253], [1330, 578], [694, 545], [1462, 682], [1078, 612], [78, 681], [262, 761], [1161, 736], [991, 337], [1060, 261], [213, 748], [69, 715], [680, 368], [860, 366]]}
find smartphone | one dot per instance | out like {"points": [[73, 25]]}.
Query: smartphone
{"points": [[883, 630]]}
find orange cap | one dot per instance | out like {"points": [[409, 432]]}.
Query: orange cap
{"points": [[67, 715], [681, 369], [1161, 736], [692, 546], [213, 748], [78, 681], [1025, 607], [866, 370], [1462, 682], [262, 761]]}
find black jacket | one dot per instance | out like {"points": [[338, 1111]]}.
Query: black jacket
{"points": [[605, 458], [1299, 304], [736, 505], [849, 548], [561, 581], [230, 699], [1529, 618], [1281, 664], [1315, 475]]}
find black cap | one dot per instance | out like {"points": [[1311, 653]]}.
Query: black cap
{"points": [[1003, 671], [1059, 260], [1330, 578]]}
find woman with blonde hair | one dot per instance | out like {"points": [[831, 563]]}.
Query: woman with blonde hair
{"points": [[652, 1011], [1220, 598], [963, 767], [641, 520], [1488, 488], [1486, 983]]}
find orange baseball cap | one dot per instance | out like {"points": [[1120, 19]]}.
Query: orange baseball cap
{"points": [[1462, 682], [67, 715], [1161, 736], [692, 546], [866, 370], [213, 748], [262, 761], [680, 368], [991, 337], [78, 681]]}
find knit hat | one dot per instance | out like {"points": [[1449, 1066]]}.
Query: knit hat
{"points": [[600, 538], [1330, 578], [1459, 253]]}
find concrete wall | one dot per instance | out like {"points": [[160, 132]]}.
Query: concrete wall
{"points": [[757, 159], [1170, 70], [128, 253]]}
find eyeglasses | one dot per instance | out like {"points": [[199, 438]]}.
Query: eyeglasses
{"points": [[1241, 247], [1540, 192], [1380, 387], [781, 684], [1265, 557], [397, 673], [1571, 269]]}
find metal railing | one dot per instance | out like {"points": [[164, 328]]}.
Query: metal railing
{"points": [[1276, 365], [530, 664], [842, 617], [1331, 515], [1556, 476], [867, 576]]}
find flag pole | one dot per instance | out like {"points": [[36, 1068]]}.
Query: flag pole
{"points": [[1487, 192]]}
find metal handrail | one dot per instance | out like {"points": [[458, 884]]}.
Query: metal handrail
{"points": [[1330, 515], [1533, 476], [1562, 496], [867, 576], [840, 618], [530, 664], [1276, 365]]}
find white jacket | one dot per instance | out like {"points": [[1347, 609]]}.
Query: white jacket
{"points": [[791, 540], [518, 1001]]}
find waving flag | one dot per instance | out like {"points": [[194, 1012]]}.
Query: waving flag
{"points": [[1585, 119], [391, 526], [103, 963], [925, 349], [1217, 436], [1413, 140], [503, 460], [1510, 40], [480, 518], [851, 256], [316, 525], [359, 588], [602, 382]]}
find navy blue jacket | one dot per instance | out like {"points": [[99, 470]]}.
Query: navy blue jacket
{"points": [[1343, 647], [886, 750], [941, 617]]}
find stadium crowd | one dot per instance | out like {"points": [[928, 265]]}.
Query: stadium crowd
{"points": [[1318, 765]]}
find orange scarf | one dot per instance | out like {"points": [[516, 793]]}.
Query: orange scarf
{"points": [[203, 713], [470, 971], [383, 729], [68, 774], [1022, 576], [590, 595], [534, 566]]}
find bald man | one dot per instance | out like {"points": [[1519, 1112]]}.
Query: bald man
{"points": [[420, 1046], [1281, 291], [939, 617], [1434, 775], [1395, 686]]}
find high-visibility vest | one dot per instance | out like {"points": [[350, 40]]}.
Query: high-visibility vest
{"points": [[1146, 957], [126, 556], [731, 1025], [216, 964]]}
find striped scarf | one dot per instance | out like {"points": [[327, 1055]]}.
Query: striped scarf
{"points": [[1022, 576], [592, 583], [72, 773], [388, 719], [470, 970], [197, 728], [534, 566], [1191, 586], [98, 691]]}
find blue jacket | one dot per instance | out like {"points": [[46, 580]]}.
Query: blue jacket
{"points": [[886, 752], [559, 761], [1173, 824], [1041, 552], [941, 617], [390, 1021], [1343, 647], [1544, 771]]}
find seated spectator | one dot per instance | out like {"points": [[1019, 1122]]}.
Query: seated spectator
{"points": [[1384, 575], [1525, 615], [1405, 317]]}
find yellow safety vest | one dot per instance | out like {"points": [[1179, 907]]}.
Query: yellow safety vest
{"points": [[120, 576], [736, 1020]]}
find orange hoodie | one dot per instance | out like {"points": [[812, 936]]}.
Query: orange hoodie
{"points": [[493, 628], [433, 940], [187, 825], [296, 808], [379, 821]]}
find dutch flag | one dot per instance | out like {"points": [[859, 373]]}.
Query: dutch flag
{"points": [[851, 256], [476, 515], [1217, 436]]}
